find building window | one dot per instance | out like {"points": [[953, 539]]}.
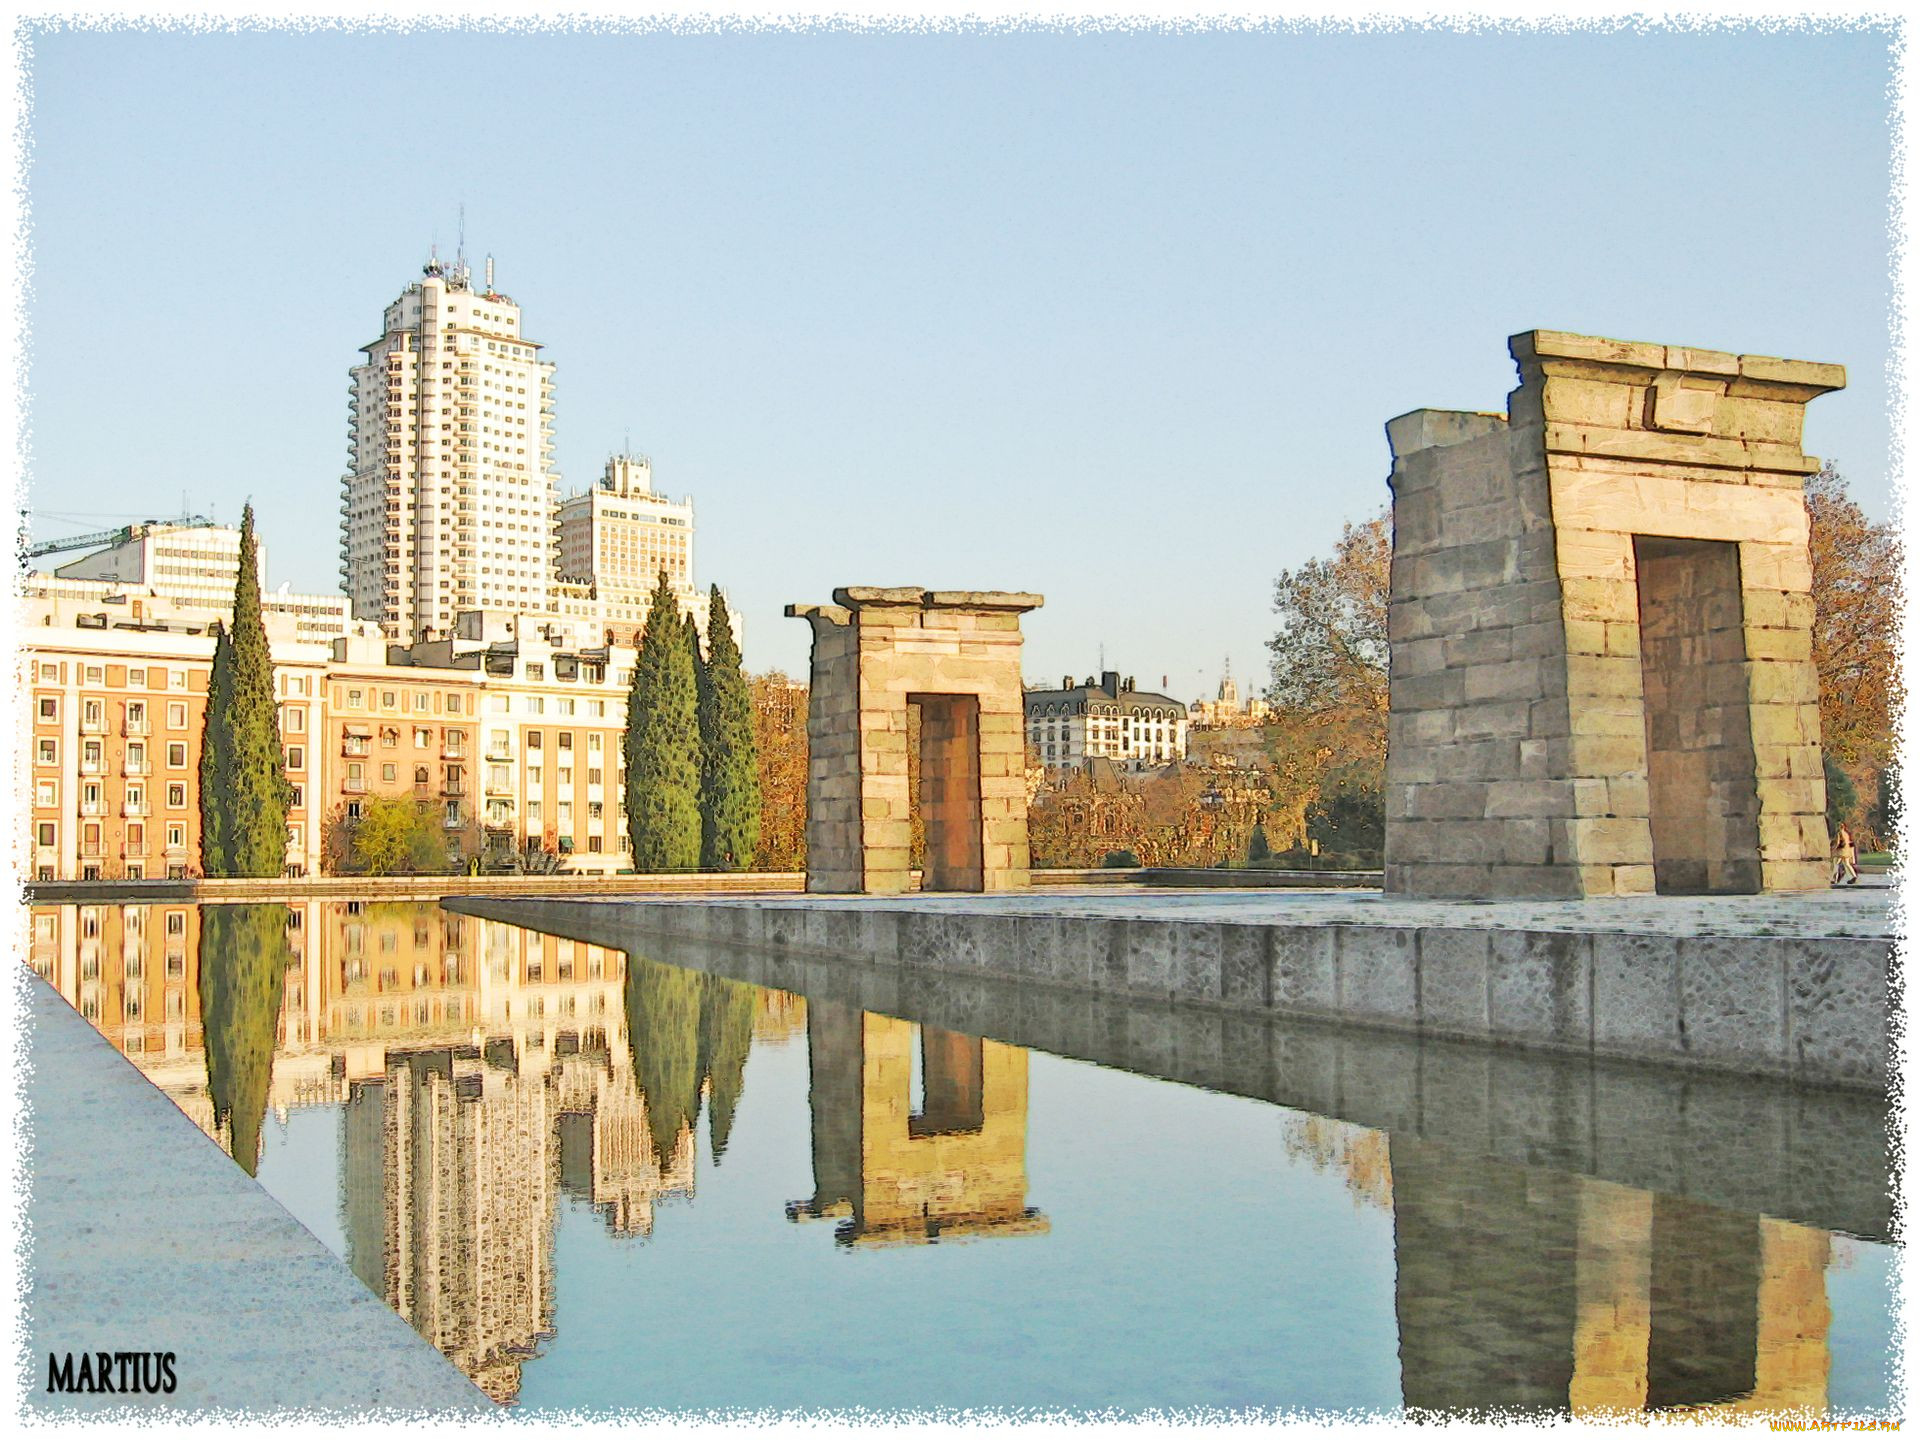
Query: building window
{"points": [[296, 719], [389, 700], [388, 774], [299, 797], [353, 809], [176, 754], [422, 739], [50, 709], [177, 679], [176, 715], [45, 832], [296, 757], [137, 677], [176, 797]]}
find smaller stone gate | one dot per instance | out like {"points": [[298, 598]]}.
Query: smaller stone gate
{"points": [[955, 656]]}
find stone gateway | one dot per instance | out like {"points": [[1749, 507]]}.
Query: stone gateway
{"points": [[1600, 625], [955, 655]]}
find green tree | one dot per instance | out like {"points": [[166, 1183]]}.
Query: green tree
{"points": [[1843, 797], [729, 764], [244, 790], [662, 744], [243, 960], [726, 1036], [396, 836], [663, 1031], [213, 722], [1259, 848], [1350, 815]]}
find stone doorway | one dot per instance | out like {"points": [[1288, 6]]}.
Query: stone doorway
{"points": [[1703, 795], [949, 798]]}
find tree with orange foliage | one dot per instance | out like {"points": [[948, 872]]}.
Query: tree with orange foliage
{"points": [[780, 747], [1856, 609]]}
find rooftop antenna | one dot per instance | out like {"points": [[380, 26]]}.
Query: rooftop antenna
{"points": [[489, 274], [461, 254]]}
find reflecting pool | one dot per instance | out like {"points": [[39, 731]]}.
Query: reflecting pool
{"points": [[598, 1181]]}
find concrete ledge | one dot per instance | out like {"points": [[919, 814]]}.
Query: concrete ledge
{"points": [[146, 1237], [1813, 1155], [1812, 1008]]}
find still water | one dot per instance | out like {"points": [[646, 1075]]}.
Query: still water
{"points": [[601, 1182]]}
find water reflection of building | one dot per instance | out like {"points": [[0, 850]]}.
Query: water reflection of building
{"points": [[482, 1070], [955, 1165], [1538, 1290]]}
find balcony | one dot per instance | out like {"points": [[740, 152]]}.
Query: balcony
{"points": [[135, 767], [91, 807], [134, 725], [454, 788], [354, 747], [353, 787], [134, 809], [91, 765], [93, 724]]}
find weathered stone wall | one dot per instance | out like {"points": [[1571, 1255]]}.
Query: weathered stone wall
{"points": [[955, 654], [1479, 788], [1506, 524], [834, 827]]}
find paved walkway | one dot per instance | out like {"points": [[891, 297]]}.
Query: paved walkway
{"points": [[1863, 912], [146, 1237]]}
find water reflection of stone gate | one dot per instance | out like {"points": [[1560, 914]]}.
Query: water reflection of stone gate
{"points": [[895, 1174]]}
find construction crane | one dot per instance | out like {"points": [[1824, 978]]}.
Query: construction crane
{"points": [[95, 538]]}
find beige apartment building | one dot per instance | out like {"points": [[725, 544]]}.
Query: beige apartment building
{"points": [[449, 501], [118, 698], [510, 739]]}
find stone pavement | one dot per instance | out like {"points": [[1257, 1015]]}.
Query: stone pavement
{"points": [[146, 1237]]}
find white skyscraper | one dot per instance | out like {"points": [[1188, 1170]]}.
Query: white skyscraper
{"points": [[450, 504]]}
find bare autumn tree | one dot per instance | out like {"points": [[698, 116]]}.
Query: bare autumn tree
{"points": [[1856, 608], [1329, 690], [1330, 655]]}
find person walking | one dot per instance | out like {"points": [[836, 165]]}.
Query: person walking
{"points": [[1846, 870]]}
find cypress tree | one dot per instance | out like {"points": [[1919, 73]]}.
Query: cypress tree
{"points": [[729, 762], [663, 1032], [244, 808], [215, 856], [243, 961], [662, 744], [726, 1035]]}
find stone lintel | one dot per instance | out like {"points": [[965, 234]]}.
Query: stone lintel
{"points": [[1804, 378], [858, 597]]}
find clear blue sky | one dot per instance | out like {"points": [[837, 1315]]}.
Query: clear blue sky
{"points": [[1117, 317]]}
